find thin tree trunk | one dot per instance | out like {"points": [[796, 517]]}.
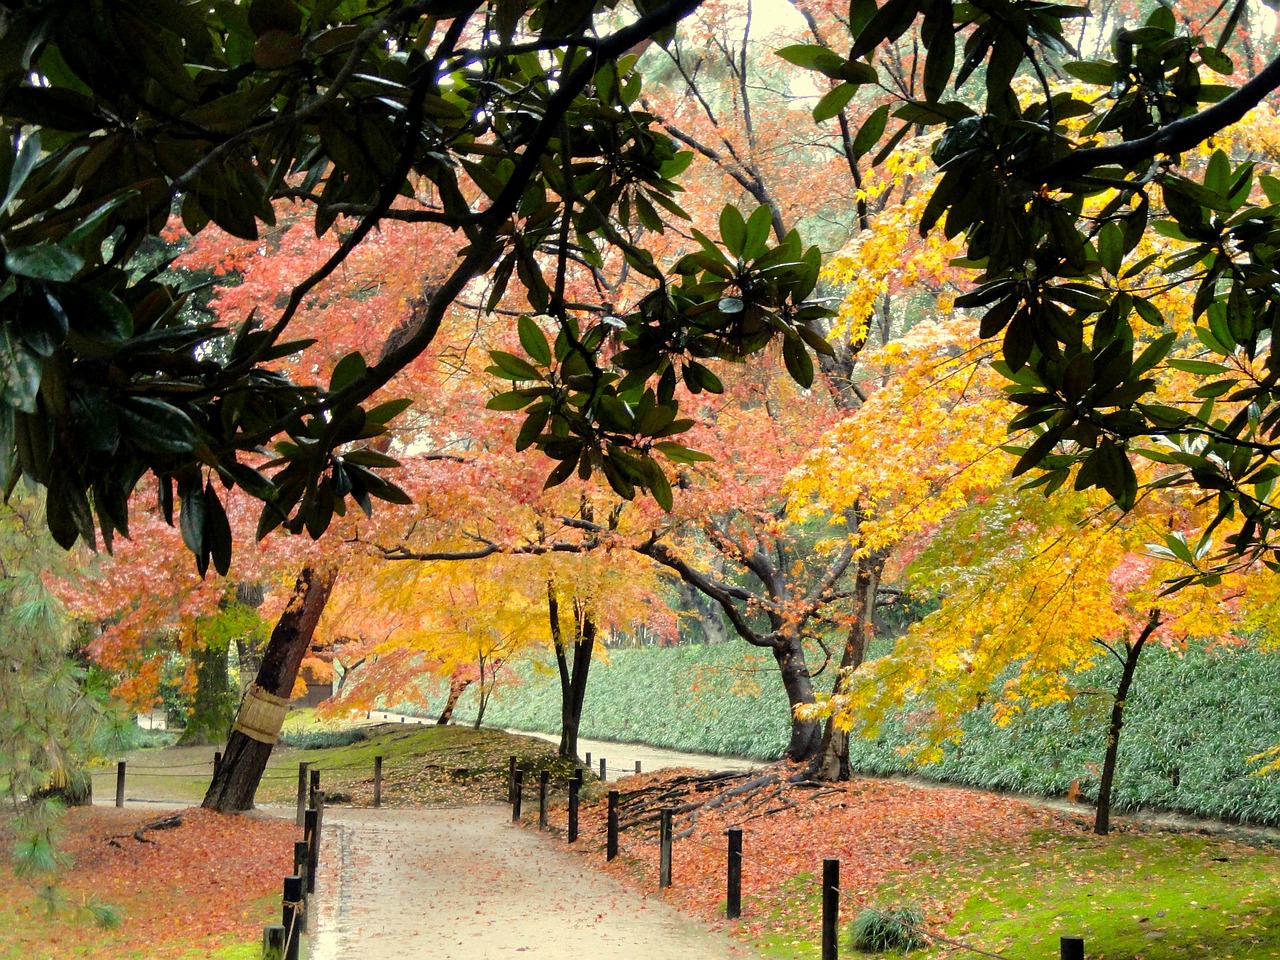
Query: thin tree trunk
{"points": [[833, 763], [214, 705], [1129, 666], [456, 686], [573, 676], [248, 748]]}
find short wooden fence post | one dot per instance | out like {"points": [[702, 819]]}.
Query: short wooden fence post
{"points": [[733, 900], [830, 908], [273, 942], [519, 795], [311, 833], [301, 868], [602, 775], [302, 791], [664, 848], [1072, 948], [611, 840], [544, 780], [217, 761], [588, 763], [377, 781], [575, 783], [120, 784], [315, 786], [511, 779], [290, 916], [637, 768]]}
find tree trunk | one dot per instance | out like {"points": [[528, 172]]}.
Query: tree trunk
{"points": [[456, 686], [573, 678], [249, 747], [1129, 666], [833, 762], [806, 735], [215, 706]]}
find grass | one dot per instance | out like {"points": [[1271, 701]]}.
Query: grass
{"points": [[1131, 896], [421, 765]]}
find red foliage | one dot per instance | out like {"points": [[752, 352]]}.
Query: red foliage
{"points": [[875, 827], [192, 889]]}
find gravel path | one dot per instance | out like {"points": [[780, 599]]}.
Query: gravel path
{"points": [[463, 883]]}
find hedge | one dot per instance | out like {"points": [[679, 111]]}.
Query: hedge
{"points": [[1192, 723]]}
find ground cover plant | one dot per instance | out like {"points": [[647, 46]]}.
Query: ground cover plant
{"points": [[202, 889]]}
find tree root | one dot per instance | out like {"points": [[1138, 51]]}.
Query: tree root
{"points": [[164, 823]]}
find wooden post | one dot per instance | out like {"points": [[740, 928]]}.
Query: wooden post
{"points": [[664, 848], [1072, 948], [830, 907], [733, 902], [602, 769], [611, 841], [588, 763], [217, 761], [273, 942], [292, 908], [637, 768], [311, 833], [120, 784], [519, 795], [575, 783], [302, 792], [543, 781], [315, 854], [511, 779], [315, 786], [377, 781], [301, 858]]}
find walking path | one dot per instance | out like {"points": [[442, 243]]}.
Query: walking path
{"points": [[463, 883]]}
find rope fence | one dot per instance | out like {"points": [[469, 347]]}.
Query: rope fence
{"points": [[1070, 947]]}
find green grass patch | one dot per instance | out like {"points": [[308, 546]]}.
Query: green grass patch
{"points": [[1156, 896], [420, 765]]}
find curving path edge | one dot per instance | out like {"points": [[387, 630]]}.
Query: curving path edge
{"points": [[463, 883]]}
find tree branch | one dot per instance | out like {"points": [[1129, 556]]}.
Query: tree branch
{"points": [[1176, 137]]}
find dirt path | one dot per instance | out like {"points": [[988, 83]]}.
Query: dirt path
{"points": [[462, 883]]}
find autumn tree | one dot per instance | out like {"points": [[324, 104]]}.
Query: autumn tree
{"points": [[1054, 194], [512, 128]]}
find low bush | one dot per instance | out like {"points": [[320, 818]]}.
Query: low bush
{"points": [[880, 931]]}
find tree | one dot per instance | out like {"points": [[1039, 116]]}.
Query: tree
{"points": [[512, 126], [1029, 590], [1055, 195]]}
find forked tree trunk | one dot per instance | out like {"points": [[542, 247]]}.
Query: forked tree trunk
{"points": [[249, 746], [573, 675]]}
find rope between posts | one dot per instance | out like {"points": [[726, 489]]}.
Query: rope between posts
{"points": [[293, 922]]}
